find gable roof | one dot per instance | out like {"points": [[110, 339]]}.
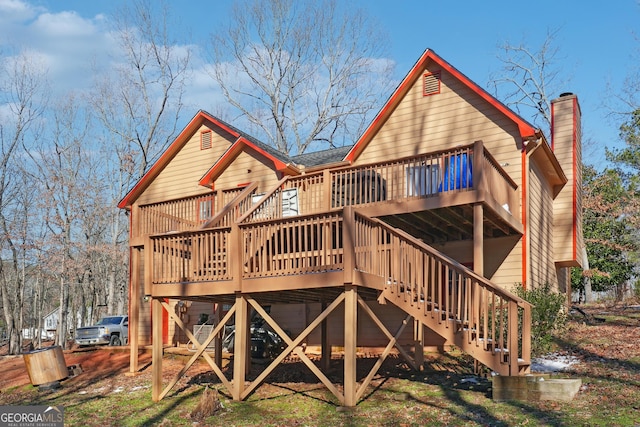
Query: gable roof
{"points": [[526, 129], [196, 122], [281, 162]]}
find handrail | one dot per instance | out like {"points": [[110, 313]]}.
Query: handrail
{"points": [[186, 213], [444, 290], [259, 205], [433, 252], [237, 207], [464, 168]]}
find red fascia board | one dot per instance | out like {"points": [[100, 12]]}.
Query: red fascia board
{"points": [[238, 146], [525, 129], [171, 151]]}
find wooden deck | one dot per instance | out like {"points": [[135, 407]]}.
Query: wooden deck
{"points": [[343, 237]]}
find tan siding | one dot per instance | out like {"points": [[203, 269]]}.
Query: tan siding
{"points": [[568, 240], [293, 318], [456, 116], [368, 333], [504, 271], [180, 177], [540, 227], [248, 167]]}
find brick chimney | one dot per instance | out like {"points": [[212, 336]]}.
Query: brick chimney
{"points": [[566, 143]]}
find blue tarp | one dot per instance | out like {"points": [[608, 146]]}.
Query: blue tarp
{"points": [[457, 173]]}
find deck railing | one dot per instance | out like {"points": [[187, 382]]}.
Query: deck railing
{"points": [[464, 168], [301, 245], [417, 275], [429, 175], [188, 213], [234, 209], [443, 289], [190, 256]]}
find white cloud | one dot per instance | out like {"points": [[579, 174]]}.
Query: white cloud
{"points": [[16, 10], [70, 44]]}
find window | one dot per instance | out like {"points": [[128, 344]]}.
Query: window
{"points": [[204, 209], [205, 139], [431, 84], [422, 180]]}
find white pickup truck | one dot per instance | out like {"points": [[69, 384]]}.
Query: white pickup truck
{"points": [[112, 330]]}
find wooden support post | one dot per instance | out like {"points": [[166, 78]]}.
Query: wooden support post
{"points": [[348, 242], [148, 265], [217, 341], [513, 338], [479, 183], [350, 343], [478, 239], [325, 359], [418, 344], [240, 347], [156, 354], [134, 309], [327, 189], [236, 264]]}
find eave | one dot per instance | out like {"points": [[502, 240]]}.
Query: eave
{"points": [[240, 145], [525, 129], [196, 122], [544, 157]]}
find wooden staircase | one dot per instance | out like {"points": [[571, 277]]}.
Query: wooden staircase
{"points": [[487, 322]]}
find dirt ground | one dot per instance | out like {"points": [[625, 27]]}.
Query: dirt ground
{"points": [[104, 369], [96, 364]]}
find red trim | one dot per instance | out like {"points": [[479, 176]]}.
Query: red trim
{"points": [[574, 162], [173, 149], [526, 130], [165, 325], [524, 218]]}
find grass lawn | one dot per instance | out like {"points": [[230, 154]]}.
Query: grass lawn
{"points": [[445, 393]]}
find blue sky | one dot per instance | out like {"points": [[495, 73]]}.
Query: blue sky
{"points": [[598, 42]]}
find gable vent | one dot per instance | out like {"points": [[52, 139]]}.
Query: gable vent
{"points": [[205, 139], [431, 84]]}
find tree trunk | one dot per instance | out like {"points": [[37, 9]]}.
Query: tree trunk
{"points": [[588, 296], [61, 338]]}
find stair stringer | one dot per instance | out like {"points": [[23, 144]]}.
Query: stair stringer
{"points": [[449, 329]]}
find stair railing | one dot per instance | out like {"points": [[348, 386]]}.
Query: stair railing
{"points": [[445, 291]]}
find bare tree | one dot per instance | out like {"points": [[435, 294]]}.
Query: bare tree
{"points": [[529, 79], [140, 103], [301, 73], [624, 102], [139, 107], [22, 85], [63, 164]]}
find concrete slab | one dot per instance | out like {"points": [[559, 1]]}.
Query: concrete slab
{"points": [[535, 387]]}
